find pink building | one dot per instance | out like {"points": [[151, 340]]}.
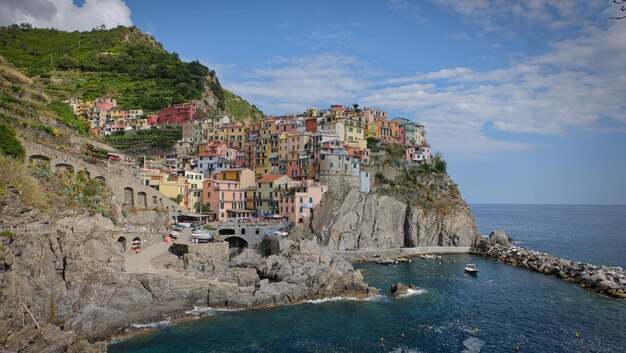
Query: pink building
{"points": [[418, 154], [178, 114], [296, 203], [372, 115], [105, 103], [225, 198]]}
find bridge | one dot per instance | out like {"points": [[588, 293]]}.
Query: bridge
{"points": [[247, 234], [125, 186]]}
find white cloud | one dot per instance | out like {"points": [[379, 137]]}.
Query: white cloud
{"points": [[514, 16], [292, 84], [64, 14], [573, 86]]}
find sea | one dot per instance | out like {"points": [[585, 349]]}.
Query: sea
{"points": [[502, 309]]}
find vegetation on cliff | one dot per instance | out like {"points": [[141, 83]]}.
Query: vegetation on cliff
{"points": [[426, 185], [122, 62], [151, 141]]}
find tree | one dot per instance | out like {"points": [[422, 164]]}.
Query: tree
{"points": [[356, 107]]}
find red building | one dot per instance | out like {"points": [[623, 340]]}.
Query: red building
{"points": [[310, 125], [178, 114]]}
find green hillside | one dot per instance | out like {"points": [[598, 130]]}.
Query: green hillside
{"points": [[123, 63], [29, 111]]}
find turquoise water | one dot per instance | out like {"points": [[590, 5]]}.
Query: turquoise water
{"points": [[502, 307]]}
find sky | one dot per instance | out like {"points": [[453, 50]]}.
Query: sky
{"points": [[525, 99]]}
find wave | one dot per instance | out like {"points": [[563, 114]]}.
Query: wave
{"points": [[412, 292], [152, 324], [208, 310], [336, 299]]}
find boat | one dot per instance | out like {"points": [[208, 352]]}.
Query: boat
{"points": [[430, 257], [385, 261], [403, 259], [471, 269]]}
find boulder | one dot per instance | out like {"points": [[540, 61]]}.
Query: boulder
{"points": [[499, 237], [400, 289]]}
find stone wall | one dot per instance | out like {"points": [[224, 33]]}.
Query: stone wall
{"points": [[340, 182], [126, 187], [217, 251], [146, 238]]}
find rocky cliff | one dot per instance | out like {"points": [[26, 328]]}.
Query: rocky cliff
{"points": [[65, 290], [427, 211]]}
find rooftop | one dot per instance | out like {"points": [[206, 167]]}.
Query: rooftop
{"points": [[268, 178]]}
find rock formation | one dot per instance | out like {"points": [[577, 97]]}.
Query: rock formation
{"points": [[72, 281], [351, 220], [400, 289]]}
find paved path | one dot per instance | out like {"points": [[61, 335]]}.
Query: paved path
{"points": [[359, 256], [142, 262]]}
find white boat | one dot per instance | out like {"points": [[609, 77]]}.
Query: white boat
{"points": [[430, 257], [471, 269]]}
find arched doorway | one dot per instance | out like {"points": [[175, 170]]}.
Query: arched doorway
{"points": [[142, 199], [236, 245], [129, 197], [39, 160], [64, 169], [121, 243]]}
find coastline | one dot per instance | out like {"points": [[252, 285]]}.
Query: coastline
{"points": [[131, 330], [371, 255]]}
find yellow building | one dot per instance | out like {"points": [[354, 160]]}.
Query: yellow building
{"points": [[268, 192], [372, 130], [193, 190], [354, 133], [244, 176], [170, 185]]}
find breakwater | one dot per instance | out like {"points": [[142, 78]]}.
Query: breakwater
{"points": [[602, 279]]}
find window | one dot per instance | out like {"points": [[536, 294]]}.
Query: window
{"points": [[310, 200], [301, 200], [222, 198], [331, 164], [300, 209], [221, 206]]}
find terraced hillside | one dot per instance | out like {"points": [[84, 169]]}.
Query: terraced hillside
{"points": [[122, 62]]}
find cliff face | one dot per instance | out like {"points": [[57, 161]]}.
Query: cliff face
{"points": [[351, 220]]}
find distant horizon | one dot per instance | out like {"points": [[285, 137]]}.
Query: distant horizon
{"points": [[539, 204]]}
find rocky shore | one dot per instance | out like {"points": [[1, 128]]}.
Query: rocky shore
{"points": [[67, 291], [610, 281]]}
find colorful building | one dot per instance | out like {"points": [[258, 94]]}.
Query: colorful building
{"points": [[299, 199]]}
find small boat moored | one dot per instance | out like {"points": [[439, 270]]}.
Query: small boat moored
{"points": [[430, 257], [385, 261], [471, 269]]}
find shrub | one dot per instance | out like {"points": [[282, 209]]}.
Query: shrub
{"points": [[15, 177], [9, 144], [7, 234], [396, 150]]}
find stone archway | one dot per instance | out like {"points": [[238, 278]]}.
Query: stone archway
{"points": [[64, 168], [136, 244], [155, 201], [236, 244], [121, 243], [39, 160], [129, 197], [142, 199]]}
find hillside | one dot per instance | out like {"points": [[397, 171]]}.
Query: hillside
{"points": [[25, 108], [122, 62]]}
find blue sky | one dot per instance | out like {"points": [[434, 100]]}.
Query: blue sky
{"points": [[525, 99]]}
